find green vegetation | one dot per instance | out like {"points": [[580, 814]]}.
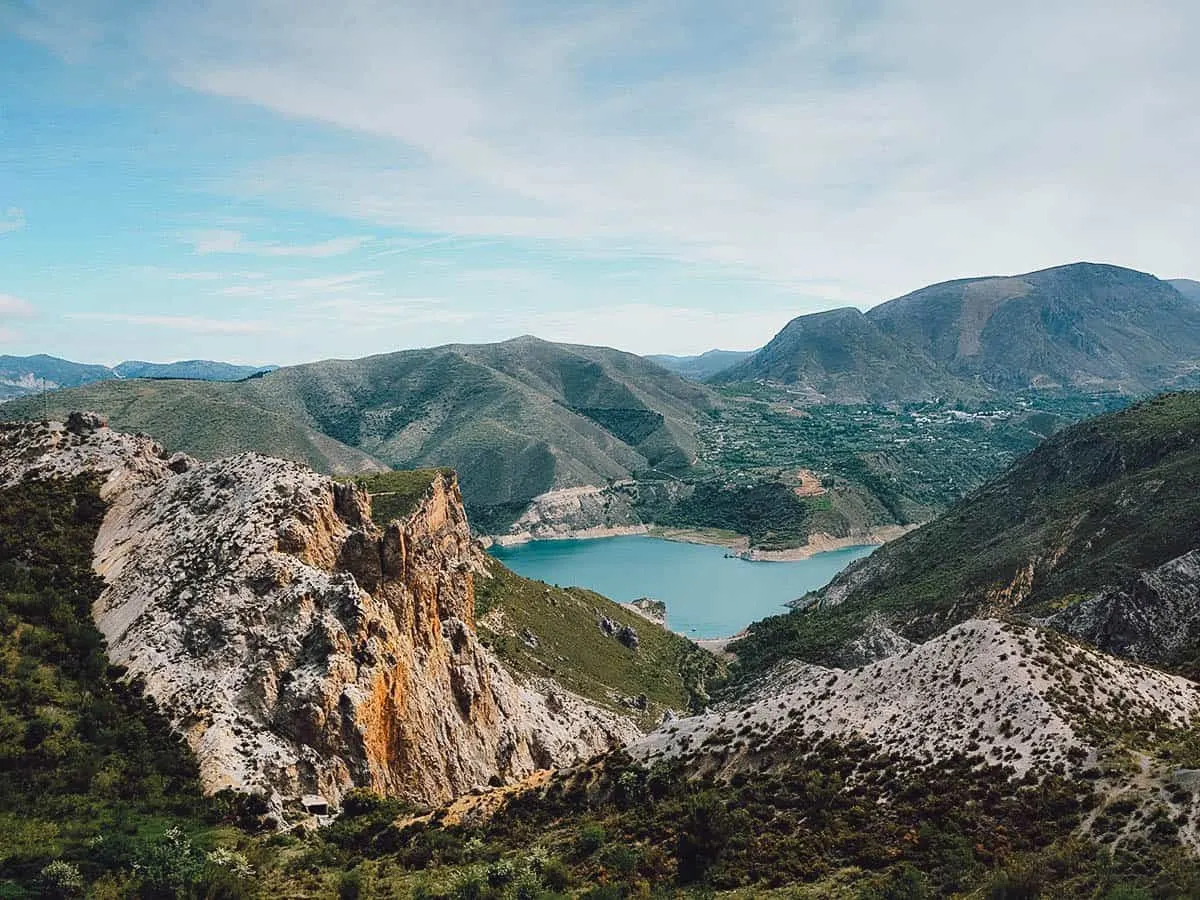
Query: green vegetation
{"points": [[547, 631], [395, 494], [811, 826], [767, 512], [98, 799], [94, 787], [1091, 507], [207, 420], [514, 419]]}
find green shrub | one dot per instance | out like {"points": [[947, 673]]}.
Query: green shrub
{"points": [[556, 875], [591, 838], [621, 858], [351, 884], [470, 885]]}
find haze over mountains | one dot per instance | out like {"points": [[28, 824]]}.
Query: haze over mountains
{"points": [[1083, 327], [1187, 287], [22, 375], [703, 366]]}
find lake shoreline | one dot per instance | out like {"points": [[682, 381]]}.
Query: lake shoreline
{"points": [[710, 594], [738, 545]]}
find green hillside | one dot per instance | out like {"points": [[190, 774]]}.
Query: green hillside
{"points": [[515, 419], [1091, 508], [94, 788], [551, 632], [205, 419]]}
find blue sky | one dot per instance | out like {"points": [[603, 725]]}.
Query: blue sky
{"points": [[285, 180]]}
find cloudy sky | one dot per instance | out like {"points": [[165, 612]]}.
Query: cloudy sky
{"points": [[284, 180]]}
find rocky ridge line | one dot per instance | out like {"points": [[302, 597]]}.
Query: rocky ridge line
{"points": [[298, 646]]}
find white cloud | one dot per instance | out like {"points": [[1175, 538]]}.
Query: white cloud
{"points": [[192, 324], [14, 307], [225, 241], [12, 219], [385, 313], [876, 146], [647, 328]]}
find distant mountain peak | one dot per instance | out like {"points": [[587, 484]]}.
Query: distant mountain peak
{"points": [[1084, 325]]}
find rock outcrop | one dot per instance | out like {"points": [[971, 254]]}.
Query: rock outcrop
{"points": [[576, 512], [299, 646], [1155, 618]]}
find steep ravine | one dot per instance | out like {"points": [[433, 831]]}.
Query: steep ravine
{"points": [[299, 646]]}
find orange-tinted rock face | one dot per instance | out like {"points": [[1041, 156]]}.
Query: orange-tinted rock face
{"points": [[298, 646]]}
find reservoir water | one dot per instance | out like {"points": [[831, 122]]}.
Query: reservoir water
{"points": [[707, 594]]}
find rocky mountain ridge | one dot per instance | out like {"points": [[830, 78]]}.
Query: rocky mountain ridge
{"points": [[300, 647], [1081, 327]]}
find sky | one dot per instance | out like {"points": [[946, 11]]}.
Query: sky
{"points": [[275, 181]]}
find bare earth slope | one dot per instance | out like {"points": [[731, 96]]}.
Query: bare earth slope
{"points": [[1012, 694]]}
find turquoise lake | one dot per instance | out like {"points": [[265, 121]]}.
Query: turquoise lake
{"points": [[708, 595]]}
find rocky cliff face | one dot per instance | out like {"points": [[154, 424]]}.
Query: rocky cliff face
{"points": [[300, 646], [1155, 618]]}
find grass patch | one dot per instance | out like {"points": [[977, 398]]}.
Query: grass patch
{"points": [[543, 630], [395, 494]]}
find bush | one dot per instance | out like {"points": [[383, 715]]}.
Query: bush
{"points": [[361, 802], [556, 875], [621, 858], [61, 879], [351, 884], [500, 873], [591, 838], [1018, 884]]}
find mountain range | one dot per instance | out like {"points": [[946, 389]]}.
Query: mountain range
{"points": [[632, 444], [1080, 327], [23, 375], [515, 419]]}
